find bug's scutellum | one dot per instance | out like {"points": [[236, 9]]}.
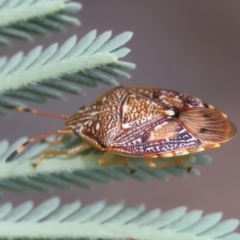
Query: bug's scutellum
{"points": [[140, 122]]}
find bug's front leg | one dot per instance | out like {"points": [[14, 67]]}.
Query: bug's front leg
{"points": [[174, 162], [110, 159], [72, 151]]}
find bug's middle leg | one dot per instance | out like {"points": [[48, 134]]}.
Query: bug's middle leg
{"points": [[72, 151], [175, 162], [109, 159]]}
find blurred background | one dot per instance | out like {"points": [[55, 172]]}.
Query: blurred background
{"points": [[190, 46]]}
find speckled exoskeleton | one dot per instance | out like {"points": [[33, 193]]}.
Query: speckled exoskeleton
{"points": [[140, 122]]}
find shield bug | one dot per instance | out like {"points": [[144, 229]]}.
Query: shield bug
{"points": [[140, 122]]}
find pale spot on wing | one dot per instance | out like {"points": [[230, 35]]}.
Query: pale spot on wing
{"points": [[199, 149], [126, 125], [170, 112], [167, 154], [181, 152], [165, 130], [224, 115], [97, 126], [210, 106]]}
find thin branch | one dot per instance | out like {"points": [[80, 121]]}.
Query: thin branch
{"points": [[19, 19], [71, 221], [43, 74], [80, 170]]}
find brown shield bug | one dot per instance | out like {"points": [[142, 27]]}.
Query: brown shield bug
{"points": [[140, 122]]}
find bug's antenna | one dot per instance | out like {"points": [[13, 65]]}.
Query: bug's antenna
{"points": [[22, 147], [38, 112]]}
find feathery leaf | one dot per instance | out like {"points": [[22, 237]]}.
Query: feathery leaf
{"points": [[19, 19], [43, 74], [71, 221], [80, 170]]}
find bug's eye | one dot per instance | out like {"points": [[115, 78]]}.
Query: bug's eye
{"points": [[77, 130]]}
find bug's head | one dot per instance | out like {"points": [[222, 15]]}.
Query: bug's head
{"points": [[78, 120], [208, 124]]}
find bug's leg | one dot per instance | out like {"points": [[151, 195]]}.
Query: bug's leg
{"points": [[72, 151], [22, 147], [108, 159], [56, 141], [174, 162]]}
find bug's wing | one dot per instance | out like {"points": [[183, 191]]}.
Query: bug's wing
{"points": [[168, 98], [154, 122], [154, 138], [205, 122], [208, 125], [146, 128]]}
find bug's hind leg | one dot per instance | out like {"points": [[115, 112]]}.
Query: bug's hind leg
{"points": [[174, 162], [72, 151], [109, 159]]}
